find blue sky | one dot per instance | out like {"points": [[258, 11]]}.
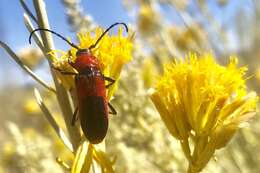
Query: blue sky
{"points": [[11, 16], [104, 12], [15, 34]]}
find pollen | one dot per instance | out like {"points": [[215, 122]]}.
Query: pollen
{"points": [[196, 97]]}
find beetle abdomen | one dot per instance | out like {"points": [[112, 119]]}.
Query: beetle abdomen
{"points": [[93, 118]]}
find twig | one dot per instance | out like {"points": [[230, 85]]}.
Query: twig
{"points": [[25, 68]]}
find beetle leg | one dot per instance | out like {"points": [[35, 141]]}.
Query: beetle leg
{"points": [[112, 81], [75, 117], [64, 72], [68, 73], [113, 111]]}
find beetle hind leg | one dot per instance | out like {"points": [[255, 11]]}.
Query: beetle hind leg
{"points": [[112, 109]]}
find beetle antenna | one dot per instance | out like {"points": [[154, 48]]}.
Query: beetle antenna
{"points": [[55, 33], [102, 35]]}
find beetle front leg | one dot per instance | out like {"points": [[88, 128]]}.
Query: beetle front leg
{"points": [[64, 72], [112, 81]]}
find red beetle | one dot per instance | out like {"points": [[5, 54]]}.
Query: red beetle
{"points": [[91, 90]]}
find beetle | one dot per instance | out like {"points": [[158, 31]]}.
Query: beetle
{"points": [[90, 89]]}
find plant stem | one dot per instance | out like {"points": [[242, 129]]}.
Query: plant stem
{"points": [[61, 93]]}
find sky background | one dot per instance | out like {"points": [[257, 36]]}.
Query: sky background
{"points": [[104, 13], [15, 34]]}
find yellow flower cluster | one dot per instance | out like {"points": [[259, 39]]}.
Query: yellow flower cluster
{"points": [[202, 100], [85, 156], [148, 19], [112, 53]]}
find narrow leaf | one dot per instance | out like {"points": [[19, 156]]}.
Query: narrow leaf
{"points": [[52, 121], [83, 159], [24, 67], [28, 11], [30, 28]]}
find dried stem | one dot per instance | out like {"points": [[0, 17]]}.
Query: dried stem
{"points": [[186, 149], [62, 94]]}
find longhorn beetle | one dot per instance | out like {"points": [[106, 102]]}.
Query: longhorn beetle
{"points": [[90, 88]]}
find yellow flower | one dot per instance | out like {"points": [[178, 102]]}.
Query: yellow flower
{"points": [[148, 19], [112, 53], [31, 107], [149, 72], [85, 157], [200, 99], [31, 57], [60, 61]]}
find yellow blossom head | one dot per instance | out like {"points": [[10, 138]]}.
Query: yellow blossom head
{"points": [[31, 107], [30, 56], [85, 157], [198, 98], [112, 52], [148, 19]]}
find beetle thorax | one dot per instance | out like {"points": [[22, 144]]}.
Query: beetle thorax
{"points": [[84, 60]]}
